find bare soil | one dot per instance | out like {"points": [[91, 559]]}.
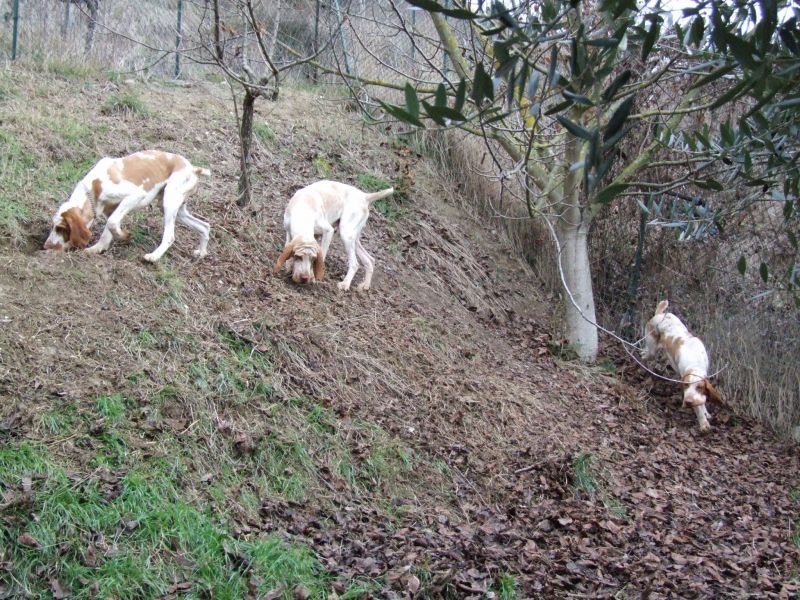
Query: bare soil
{"points": [[451, 353]]}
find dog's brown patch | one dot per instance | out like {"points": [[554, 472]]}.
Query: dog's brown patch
{"points": [[319, 265], [689, 378], [672, 344], [109, 208], [711, 392], [150, 168], [288, 250], [97, 189], [79, 234]]}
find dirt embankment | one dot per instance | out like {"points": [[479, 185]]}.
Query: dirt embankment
{"points": [[571, 481]]}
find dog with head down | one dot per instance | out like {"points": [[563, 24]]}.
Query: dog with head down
{"points": [[687, 355], [318, 209]]}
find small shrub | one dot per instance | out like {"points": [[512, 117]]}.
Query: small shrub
{"points": [[371, 183], [390, 207], [126, 104], [69, 70], [607, 365]]}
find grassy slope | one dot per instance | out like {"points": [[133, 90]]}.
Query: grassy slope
{"points": [[201, 428]]}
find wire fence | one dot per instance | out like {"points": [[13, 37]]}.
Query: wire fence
{"points": [[387, 40]]}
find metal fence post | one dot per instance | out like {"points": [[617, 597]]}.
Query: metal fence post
{"points": [[413, 32], [178, 40], [15, 31], [444, 54]]}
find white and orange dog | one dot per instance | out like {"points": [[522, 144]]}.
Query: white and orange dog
{"points": [[316, 210], [116, 186], [687, 355]]}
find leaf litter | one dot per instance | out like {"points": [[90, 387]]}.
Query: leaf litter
{"points": [[449, 355]]}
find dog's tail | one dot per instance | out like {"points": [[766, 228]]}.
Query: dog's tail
{"points": [[378, 195], [202, 171], [662, 307]]}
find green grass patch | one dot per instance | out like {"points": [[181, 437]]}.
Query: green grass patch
{"points": [[284, 467], [69, 70], [125, 104], [171, 285], [506, 587], [392, 207], [112, 451], [78, 133], [385, 462], [249, 372], [265, 133], [213, 77], [583, 478], [323, 167], [59, 179], [242, 375], [6, 91], [607, 366], [59, 420], [111, 406], [16, 170], [587, 482], [132, 536]]}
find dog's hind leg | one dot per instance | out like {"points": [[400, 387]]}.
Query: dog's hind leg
{"points": [[200, 226]]}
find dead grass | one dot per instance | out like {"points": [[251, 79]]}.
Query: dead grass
{"points": [[212, 360], [333, 421], [467, 164]]}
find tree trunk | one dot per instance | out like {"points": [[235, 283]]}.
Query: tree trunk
{"points": [[315, 72], [572, 229], [67, 20], [246, 141], [574, 240], [93, 6]]}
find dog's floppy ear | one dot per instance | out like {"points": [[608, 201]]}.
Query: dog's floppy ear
{"points": [[79, 234], [711, 392], [288, 250], [319, 265]]}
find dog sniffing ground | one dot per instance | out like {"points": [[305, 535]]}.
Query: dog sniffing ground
{"points": [[180, 429]]}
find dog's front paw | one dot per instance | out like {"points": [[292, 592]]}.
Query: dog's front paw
{"points": [[151, 258], [343, 286], [200, 252], [362, 287]]}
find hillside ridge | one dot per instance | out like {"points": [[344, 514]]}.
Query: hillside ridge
{"points": [[425, 439]]}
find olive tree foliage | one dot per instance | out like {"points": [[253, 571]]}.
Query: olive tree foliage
{"points": [[755, 45], [557, 85]]}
